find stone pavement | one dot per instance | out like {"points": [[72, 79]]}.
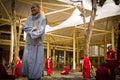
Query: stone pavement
{"points": [[71, 76], [57, 76]]}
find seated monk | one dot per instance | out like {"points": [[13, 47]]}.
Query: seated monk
{"points": [[65, 71], [4, 75]]}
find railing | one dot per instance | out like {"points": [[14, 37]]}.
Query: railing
{"points": [[7, 35]]}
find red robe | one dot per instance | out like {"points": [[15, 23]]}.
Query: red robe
{"points": [[65, 71], [111, 63], [17, 69], [86, 68], [48, 65], [111, 54]]}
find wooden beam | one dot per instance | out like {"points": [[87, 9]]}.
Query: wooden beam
{"points": [[57, 47], [22, 43], [3, 24], [47, 3], [7, 32], [58, 35], [57, 11], [93, 35], [96, 43], [97, 30], [6, 20], [53, 12], [5, 10], [66, 37], [108, 18], [7, 42]]}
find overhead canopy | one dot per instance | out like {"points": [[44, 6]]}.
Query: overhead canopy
{"points": [[107, 10]]}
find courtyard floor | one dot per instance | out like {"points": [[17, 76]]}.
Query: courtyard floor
{"points": [[71, 76]]}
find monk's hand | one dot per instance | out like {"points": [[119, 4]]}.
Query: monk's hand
{"points": [[28, 34], [35, 30]]}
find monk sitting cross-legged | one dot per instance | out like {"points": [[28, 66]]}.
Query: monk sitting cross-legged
{"points": [[65, 71]]}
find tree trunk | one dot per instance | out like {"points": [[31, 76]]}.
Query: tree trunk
{"points": [[19, 33], [13, 23], [90, 27]]}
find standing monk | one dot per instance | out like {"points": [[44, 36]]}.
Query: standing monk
{"points": [[86, 66], [33, 57], [48, 65], [111, 60]]}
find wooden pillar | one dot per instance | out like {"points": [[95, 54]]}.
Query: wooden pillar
{"points": [[98, 55], [48, 49], [13, 23], [68, 57], [74, 46], [105, 47], [11, 45], [78, 61], [19, 32], [78, 56], [64, 57], [113, 38], [53, 61]]}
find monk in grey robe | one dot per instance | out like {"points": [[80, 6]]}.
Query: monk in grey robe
{"points": [[33, 58]]}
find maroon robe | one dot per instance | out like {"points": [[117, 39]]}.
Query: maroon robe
{"points": [[111, 58], [112, 63], [102, 73]]}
